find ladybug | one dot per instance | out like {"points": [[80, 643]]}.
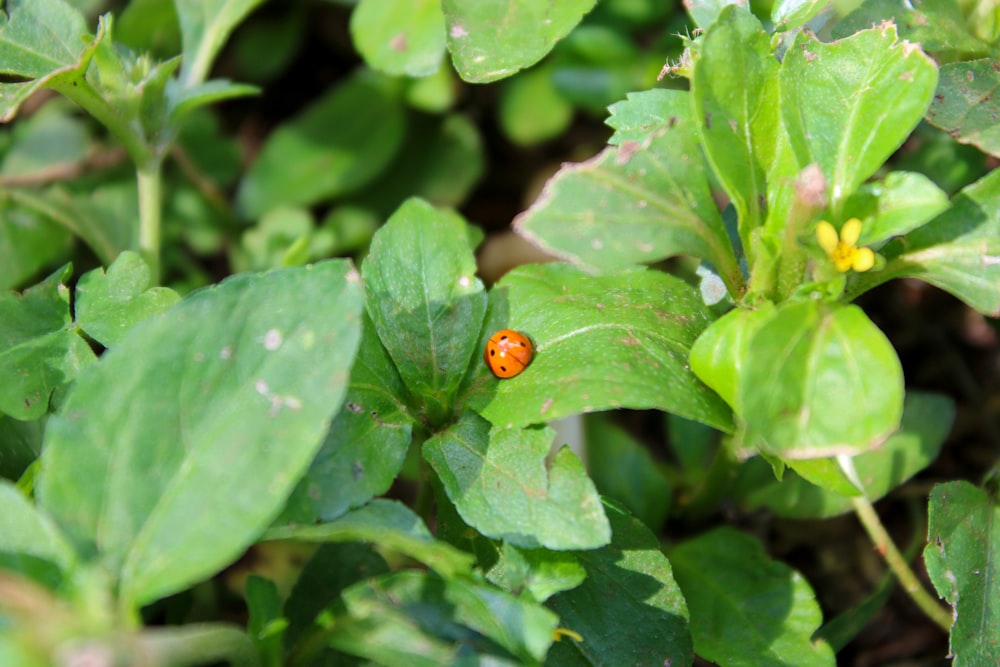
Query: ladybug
{"points": [[508, 352]]}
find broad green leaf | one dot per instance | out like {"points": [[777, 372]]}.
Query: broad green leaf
{"points": [[927, 419], [623, 469], [601, 342], [492, 39], [205, 27], [734, 92], [820, 380], [500, 485], [958, 251], [425, 300], [213, 409], [717, 357], [705, 12], [29, 241], [331, 569], [629, 610], [848, 105], [540, 572], [109, 304], [39, 351], [898, 204], [966, 104], [531, 110], [327, 150], [366, 444], [41, 41], [390, 525], [421, 619], [27, 531], [790, 14], [640, 202], [940, 26], [746, 609], [963, 540], [51, 138], [404, 37]]}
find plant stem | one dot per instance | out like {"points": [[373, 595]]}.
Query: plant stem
{"points": [[200, 644], [885, 546], [149, 175]]}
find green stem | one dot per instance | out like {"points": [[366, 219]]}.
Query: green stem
{"points": [[200, 644], [82, 93], [897, 563], [150, 214]]}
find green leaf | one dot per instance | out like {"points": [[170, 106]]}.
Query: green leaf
{"points": [[958, 251], [183, 101], [499, 483], [39, 351], [747, 609], [327, 150], [601, 342], [629, 610], [29, 241], [390, 525], [820, 380], [179, 424], [940, 26], [790, 14], [403, 37], [540, 572], [423, 620], [52, 138], [109, 304], [531, 109], [623, 469], [734, 88], [492, 40], [705, 12], [20, 444], [425, 300], [643, 201], [926, 422], [366, 445], [26, 531], [718, 356], [963, 540], [266, 623], [966, 104], [850, 104], [205, 27], [894, 206], [40, 40]]}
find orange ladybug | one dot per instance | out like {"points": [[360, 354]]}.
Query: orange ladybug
{"points": [[508, 352]]}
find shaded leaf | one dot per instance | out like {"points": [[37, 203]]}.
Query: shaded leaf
{"points": [[499, 483], [26, 531], [601, 342], [966, 104], [219, 403], [205, 27], [404, 37], [898, 204], [940, 26], [747, 609], [540, 572]]}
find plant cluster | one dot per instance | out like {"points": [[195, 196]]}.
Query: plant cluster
{"points": [[327, 405]]}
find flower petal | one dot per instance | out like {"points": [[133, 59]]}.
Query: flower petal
{"points": [[864, 259], [826, 235], [850, 232]]}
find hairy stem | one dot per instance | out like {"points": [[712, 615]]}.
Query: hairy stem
{"points": [[150, 214]]}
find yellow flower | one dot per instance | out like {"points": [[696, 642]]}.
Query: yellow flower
{"points": [[843, 250]]}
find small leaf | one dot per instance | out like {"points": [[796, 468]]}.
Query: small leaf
{"points": [[531, 109], [926, 422], [820, 380], [205, 27], [492, 40], [958, 251], [790, 14], [327, 150], [894, 206], [29, 242], [20, 444], [179, 424], [963, 539], [540, 572], [643, 201], [402, 37], [555, 508], [109, 304], [850, 104], [421, 619], [389, 524], [705, 12], [629, 610], [425, 300], [746, 609], [600, 342], [39, 351], [266, 623], [27, 531], [367, 442], [966, 105]]}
